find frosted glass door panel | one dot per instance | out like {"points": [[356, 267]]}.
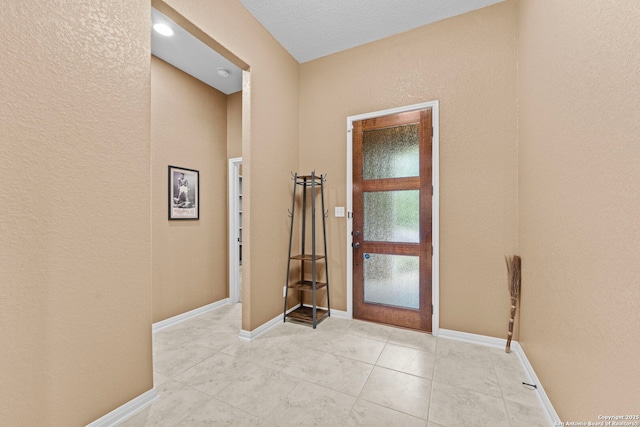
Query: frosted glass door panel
{"points": [[392, 280], [392, 216], [391, 153]]}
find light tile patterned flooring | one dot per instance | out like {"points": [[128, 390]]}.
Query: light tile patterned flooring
{"points": [[344, 373]]}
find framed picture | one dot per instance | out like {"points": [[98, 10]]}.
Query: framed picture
{"points": [[184, 193]]}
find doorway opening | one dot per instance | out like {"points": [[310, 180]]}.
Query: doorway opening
{"points": [[187, 32], [235, 230], [368, 255]]}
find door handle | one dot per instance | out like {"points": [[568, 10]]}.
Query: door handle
{"points": [[355, 245]]}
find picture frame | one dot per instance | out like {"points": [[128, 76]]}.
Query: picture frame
{"points": [[184, 193]]}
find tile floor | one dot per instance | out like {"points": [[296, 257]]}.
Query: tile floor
{"points": [[344, 373]]}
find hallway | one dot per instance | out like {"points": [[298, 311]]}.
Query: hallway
{"points": [[345, 373]]}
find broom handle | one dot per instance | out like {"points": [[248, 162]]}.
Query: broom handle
{"points": [[511, 321]]}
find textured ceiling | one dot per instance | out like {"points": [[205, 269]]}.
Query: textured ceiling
{"points": [[310, 29]]}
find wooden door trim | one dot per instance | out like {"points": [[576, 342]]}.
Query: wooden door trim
{"points": [[390, 184], [435, 203], [394, 119]]}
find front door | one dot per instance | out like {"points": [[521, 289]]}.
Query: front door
{"points": [[392, 192]]}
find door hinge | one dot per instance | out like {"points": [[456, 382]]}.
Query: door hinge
{"points": [[432, 131], [432, 309], [432, 189]]}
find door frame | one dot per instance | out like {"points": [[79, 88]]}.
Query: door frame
{"points": [[435, 207], [234, 235]]}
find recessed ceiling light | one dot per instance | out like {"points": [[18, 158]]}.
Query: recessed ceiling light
{"points": [[223, 73], [163, 29]]}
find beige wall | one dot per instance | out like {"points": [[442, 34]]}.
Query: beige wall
{"points": [[75, 294], [75, 259], [188, 129], [234, 125], [579, 204], [468, 63], [269, 147]]}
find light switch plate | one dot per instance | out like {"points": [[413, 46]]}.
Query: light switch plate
{"points": [[339, 211]]}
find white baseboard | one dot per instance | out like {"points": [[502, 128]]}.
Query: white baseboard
{"points": [[127, 410], [473, 338], [172, 321], [139, 403], [245, 335], [548, 408], [250, 335], [532, 378], [339, 314]]}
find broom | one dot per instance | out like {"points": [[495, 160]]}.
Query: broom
{"points": [[513, 274]]}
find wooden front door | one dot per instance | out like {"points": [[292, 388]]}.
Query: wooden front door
{"points": [[392, 192]]}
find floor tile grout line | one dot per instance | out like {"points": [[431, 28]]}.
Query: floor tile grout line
{"points": [[347, 357], [365, 384], [403, 372], [182, 372], [505, 400], [433, 376], [223, 388], [324, 385], [394, 409], [368, 337], [196, 408], [351, 409], [504, 403], [235, 407], [266, 417], [380, 355]]}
